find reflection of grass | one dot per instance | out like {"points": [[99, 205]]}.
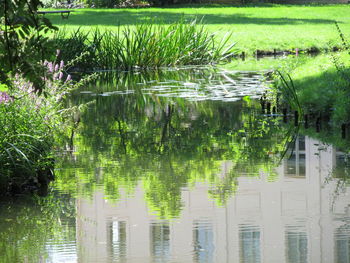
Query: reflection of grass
{"points": [[263, 28], [329, 136]]}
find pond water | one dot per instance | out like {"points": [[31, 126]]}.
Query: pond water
{"points": [[183, 166]]}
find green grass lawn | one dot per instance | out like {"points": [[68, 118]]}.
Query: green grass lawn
{"points": [[265, 27]]}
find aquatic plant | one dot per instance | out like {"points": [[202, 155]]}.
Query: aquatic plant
{"points": [[25, 147], [144, 46], [29, 121], [289, 92]]}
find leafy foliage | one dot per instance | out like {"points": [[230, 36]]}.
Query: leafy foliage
{"points": [[29, 122], [23, 43]]}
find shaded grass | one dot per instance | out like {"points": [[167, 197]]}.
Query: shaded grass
{"points": [[321, 88], [266, 27]]}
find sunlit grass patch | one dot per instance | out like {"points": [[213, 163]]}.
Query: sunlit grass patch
{"points": [[262, 27]]}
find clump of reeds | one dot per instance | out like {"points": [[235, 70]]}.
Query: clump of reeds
{"points": [[144, 46]]}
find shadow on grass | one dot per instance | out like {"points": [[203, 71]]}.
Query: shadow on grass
{"points": [[104, 18]]}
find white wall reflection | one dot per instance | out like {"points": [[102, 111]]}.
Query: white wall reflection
{"points": [[300, 217]]}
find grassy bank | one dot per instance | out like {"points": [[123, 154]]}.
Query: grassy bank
{"points": [[266, 27], [322, 85], [315, 92]]}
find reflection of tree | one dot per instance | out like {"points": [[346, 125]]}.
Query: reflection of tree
{"points": [[341, 176], [163, 189], [26, 226], [168, 143], [224, 188]]}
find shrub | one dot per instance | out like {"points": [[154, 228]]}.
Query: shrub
{"points": [[28, 122], [25, 146]]}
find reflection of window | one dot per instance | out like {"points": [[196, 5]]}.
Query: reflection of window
{"points": [[295, 165], [341, 164], [203, 242], [342, 247], [117, 238], [160, 242], [249, 244], [296, 247]]}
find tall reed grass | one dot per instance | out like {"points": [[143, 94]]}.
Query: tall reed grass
{"points": [[144, 46]]}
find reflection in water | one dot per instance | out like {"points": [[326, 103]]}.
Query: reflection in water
{"points": [[117, 239], [342, 244], [160, 242], [296, 246], [39, 230], [249, 244], [290, 219], [165, 179], [295, 164], [203, 238]]}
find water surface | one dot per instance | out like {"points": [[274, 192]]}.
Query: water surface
{"points": [[183, 166]]}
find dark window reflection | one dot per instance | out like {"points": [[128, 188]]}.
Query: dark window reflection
{"points": [[342, 246], [249, 245], [160, 242], [203, 242], [117, 239], [296, 245]]}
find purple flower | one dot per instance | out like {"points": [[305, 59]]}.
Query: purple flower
{"points": [[56, 67], [60, 75], [4, 97], [50, 67], [61, 64], [69, 77]]}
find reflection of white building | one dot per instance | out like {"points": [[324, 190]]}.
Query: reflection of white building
{"points": [[297, 218]]}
